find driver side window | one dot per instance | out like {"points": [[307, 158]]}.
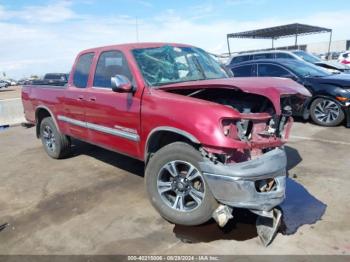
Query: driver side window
{"points": [[109, 64]]}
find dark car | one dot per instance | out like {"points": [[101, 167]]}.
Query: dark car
{"points": [[330, 102], [330, 65], [56, 79], [300, 55]]}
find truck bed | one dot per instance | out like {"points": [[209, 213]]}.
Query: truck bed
{"points": [[41, 95]]}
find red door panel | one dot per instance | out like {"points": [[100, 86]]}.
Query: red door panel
{"points": [[113, 120]]}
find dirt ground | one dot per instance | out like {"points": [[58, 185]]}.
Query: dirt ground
{"points": [[10, 92], [94, 202]]}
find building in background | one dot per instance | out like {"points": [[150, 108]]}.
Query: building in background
{"points": [[322, 47]]}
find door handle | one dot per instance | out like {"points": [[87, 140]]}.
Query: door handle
{"points": [[80, 98], [92, 99]]}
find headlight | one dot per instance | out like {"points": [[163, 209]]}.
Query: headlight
{"points": [[229, 128], [237, 128]]}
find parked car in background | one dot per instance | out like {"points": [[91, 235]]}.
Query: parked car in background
{"points": [[10, 82], [330, 103], [332, 66], [295, 54], [3, 84], [330, 56], [27, 81], [209, 142], [56, 79], [344, 58]]}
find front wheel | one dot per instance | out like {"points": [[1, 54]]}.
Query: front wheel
{"points": [[326, 112], [176, 186]]}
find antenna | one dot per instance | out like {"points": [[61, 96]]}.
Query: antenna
{"points": [[137, 30]]}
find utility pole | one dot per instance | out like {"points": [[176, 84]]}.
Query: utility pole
{"points": [[329, 46]]}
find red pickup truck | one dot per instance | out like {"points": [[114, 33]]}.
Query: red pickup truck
{"points": [[209, 142]]}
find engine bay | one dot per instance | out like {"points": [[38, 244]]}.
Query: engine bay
{"points": [[236, 99]]}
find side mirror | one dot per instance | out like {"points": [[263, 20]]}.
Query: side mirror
{"points": [[121, 84]]}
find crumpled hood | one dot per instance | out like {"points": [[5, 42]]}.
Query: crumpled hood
{"points": [[272, 88]]}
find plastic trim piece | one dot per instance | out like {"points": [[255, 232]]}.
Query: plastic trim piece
{"points": [[103, 129]]}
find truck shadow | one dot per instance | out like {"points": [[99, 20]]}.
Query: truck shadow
{"points": [[298, 209], [240, 228], [120, 161]]}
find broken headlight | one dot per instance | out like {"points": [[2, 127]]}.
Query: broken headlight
{"points": [[241, 129]]}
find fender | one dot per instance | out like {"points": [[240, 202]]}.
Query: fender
{"points": [[51, 114], [181, 132]]}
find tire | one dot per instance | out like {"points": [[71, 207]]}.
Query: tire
{"points": [[55, 144], [183, 156], [326, 112]]}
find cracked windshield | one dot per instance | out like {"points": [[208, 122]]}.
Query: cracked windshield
{"points": [[169, 64]]}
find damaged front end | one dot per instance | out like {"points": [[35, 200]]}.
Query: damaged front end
{"points": [[257, 184], [252, 176], [248, 169]]}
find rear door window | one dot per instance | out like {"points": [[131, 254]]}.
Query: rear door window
{"points": [[240, 59], [263, 56], [284, 55], [243, 71], [82, 69], [265, 70]]}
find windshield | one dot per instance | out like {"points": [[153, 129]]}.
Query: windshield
{"points": [[306, 69], [170, 64], [307, 57]]}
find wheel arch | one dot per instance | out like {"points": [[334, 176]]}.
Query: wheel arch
{"points": [[165, 135], [42, 112], [321, 96]]}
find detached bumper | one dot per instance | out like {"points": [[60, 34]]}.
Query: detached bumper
{"points": [[235, 184]]}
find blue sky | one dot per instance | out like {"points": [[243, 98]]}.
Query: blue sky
{"points": [[39, 36]]}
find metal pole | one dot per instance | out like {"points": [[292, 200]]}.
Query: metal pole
{"points": [[137, 30], [228, 46], [296, 41], [329, 45], [272, 43]]}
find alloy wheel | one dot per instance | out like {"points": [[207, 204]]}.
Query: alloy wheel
{"points": [[181, 186], [49, 138], [327, 111]]}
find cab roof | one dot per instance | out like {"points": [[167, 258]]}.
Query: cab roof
{"points": [[131, 46]]}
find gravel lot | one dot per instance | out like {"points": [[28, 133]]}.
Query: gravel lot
{"points": [[94, 202], [10, 92]]}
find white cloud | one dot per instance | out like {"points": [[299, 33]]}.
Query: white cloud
{"points": [[31, 47], [52, 13]]}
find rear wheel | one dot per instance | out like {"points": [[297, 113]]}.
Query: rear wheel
{"points": [[326, 112], [55, 144], [176, 186]]}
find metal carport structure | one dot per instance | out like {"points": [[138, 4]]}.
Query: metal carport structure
{"points": [[282, 31]]}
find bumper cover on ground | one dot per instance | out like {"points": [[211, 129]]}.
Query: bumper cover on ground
{"points": [[234, 184]]}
